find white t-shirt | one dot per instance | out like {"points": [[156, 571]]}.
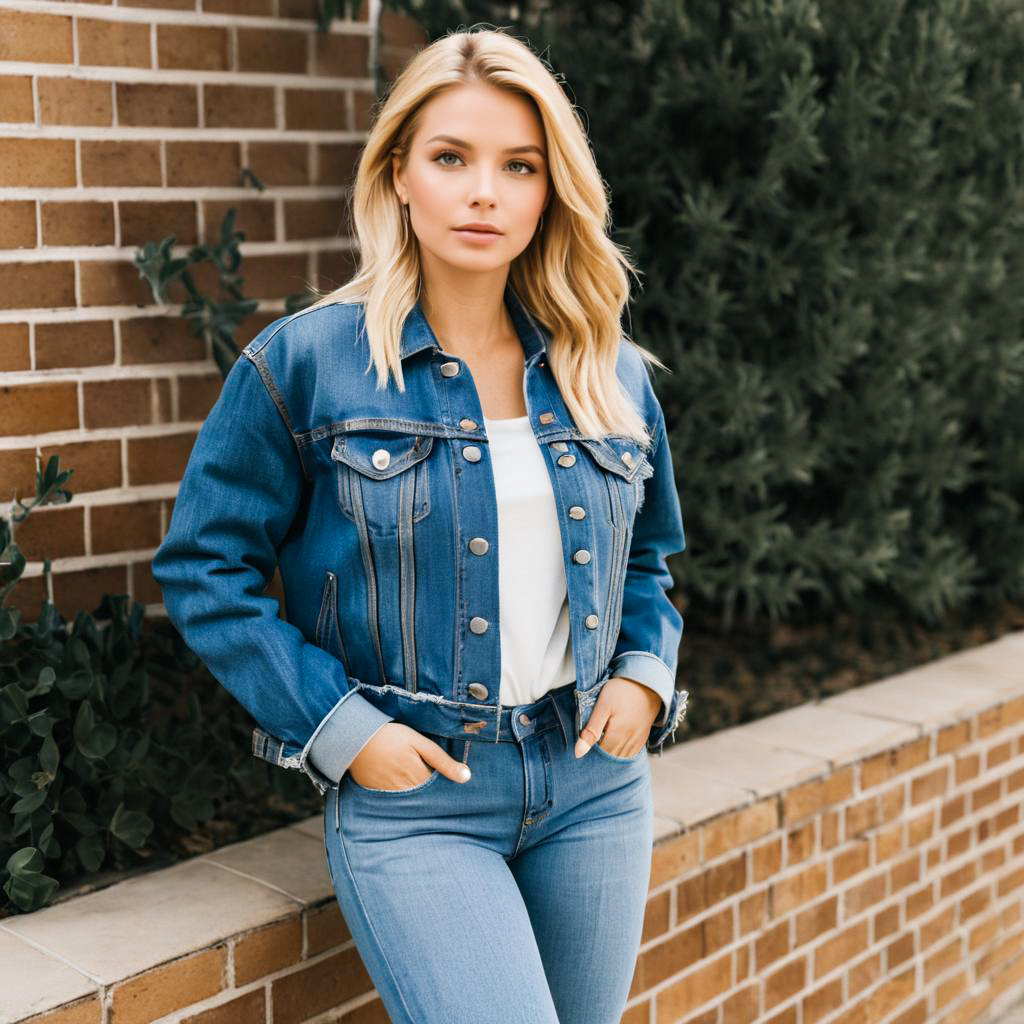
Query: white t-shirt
{"points": [[536, 646]]}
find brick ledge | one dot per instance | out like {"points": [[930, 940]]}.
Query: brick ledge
{"points": [[139, 951]]}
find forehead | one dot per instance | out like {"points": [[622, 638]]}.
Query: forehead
{"points": [[482, 115]]}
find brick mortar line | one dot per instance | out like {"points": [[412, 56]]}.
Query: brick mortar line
{"points": [[104, 254], [302, 81], [142, 431]]}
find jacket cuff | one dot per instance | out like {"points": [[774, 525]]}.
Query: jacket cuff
{"points": [[342, 734], [652, 672], [677, 712]]}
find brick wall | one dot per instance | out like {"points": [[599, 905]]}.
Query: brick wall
{"points": [[121, 125], [854, 861]]}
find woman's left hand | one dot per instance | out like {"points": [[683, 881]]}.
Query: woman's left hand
{"points": [[625, 711]]}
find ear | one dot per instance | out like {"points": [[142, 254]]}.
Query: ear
{"points": [[396, 174]]}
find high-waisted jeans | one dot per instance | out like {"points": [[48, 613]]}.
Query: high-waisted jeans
{"points": [[515, 898]]}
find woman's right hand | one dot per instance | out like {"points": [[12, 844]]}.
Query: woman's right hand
{"points": [[399, 757]]}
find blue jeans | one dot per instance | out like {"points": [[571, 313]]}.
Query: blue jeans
{"points": [[515, 898]]}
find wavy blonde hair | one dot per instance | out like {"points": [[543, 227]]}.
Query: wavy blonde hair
{"points": [[571, 277]]}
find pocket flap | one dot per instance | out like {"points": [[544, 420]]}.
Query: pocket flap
{"points": [[619, 455], [378, 454]]}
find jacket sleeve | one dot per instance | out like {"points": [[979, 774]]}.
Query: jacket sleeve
{"points": [[240, 493], [647, 649]]}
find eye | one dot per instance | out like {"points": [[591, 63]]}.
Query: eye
{"points": [[530, 169]]}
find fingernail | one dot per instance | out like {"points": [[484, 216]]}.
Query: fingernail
{"points": [[465, 773], [582, 746]]}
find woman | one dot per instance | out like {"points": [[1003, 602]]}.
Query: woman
{"points": [[488, 818]]}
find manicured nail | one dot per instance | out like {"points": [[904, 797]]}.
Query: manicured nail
{"points": [[582, 746], [465, 773]]}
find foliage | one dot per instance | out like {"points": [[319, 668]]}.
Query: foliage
{"points": [[218, 319], [115, 742], [825, 200]]}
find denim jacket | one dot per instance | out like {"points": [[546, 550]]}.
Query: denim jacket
{"points": [[380, 509]]}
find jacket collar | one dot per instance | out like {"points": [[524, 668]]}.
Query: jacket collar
{"points": [[418, 335]]}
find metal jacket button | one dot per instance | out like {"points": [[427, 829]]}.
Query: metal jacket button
{"points": [[524, 719], [590, 621], [478, 545], [467, 424], [478, 624], [381, 458], [546, 417], [478, 690], [449, 369], [471, 453], [559, 446], [581, 557], [577, 512], [567, 460], [627, 458]]}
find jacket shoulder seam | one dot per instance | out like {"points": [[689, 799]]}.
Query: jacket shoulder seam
{"points": [[258, 360]]}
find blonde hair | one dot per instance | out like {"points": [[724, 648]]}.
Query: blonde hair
{"points": [[571, 277]]}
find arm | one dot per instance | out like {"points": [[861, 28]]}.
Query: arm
{"points": [[647, 649], [239, 495]]}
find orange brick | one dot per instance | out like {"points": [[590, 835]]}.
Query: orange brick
{"points": [[120, 162], [267, 950], [197, 394], [37, 285], [117, 403], [272, 51], [204, 47], [816, 921], [929, 785], [112, 283], [84, 1011], [840, 949], [280, 163], [336, 164], [239, 106], [14, 352], [17, 219], [313, 218], [168, 988], [75, 101], [80, 343], [315, 110], [341, 56], [766, 859], [814, 796], [674, 857], [254, 217], [657, 916], [71, 223], [864, 895], [38, 408], [113, 43], [674, 954], [152, 221], [822, 1001], [325, 927], [157, 103], [162, 459], [16, 99], [318, 987], [771, 945], [891, 763], [798, 889], [160, 339], [247, 1009], [125, 527], [36, 163], [850, 861], [52, 532], [709, 981], [145, 589], [740, 828], [203, 163], [37, 38]]}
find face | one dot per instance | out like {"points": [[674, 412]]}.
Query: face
{"points": [[489, 167]]}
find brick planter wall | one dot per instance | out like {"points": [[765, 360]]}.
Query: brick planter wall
{"points": [[125, 124], [854, 861]]}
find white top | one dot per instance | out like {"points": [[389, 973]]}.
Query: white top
{"points": [[536, 647]]}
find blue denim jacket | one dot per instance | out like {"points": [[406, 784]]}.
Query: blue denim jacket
{"points": [[380, 509]]}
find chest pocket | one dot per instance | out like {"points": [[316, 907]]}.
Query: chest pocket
{"points": [[383, 478], [624, 466]]}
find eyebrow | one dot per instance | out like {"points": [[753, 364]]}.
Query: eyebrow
{"points": [[466, 145]]}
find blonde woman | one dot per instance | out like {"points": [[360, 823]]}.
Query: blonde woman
{"points": [[460, 465]]}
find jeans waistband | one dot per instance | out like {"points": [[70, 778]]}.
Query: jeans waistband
{"points": [[430, 713]]}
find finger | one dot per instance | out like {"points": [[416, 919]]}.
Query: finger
{"points": [[437, 757], [591, 732]]}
